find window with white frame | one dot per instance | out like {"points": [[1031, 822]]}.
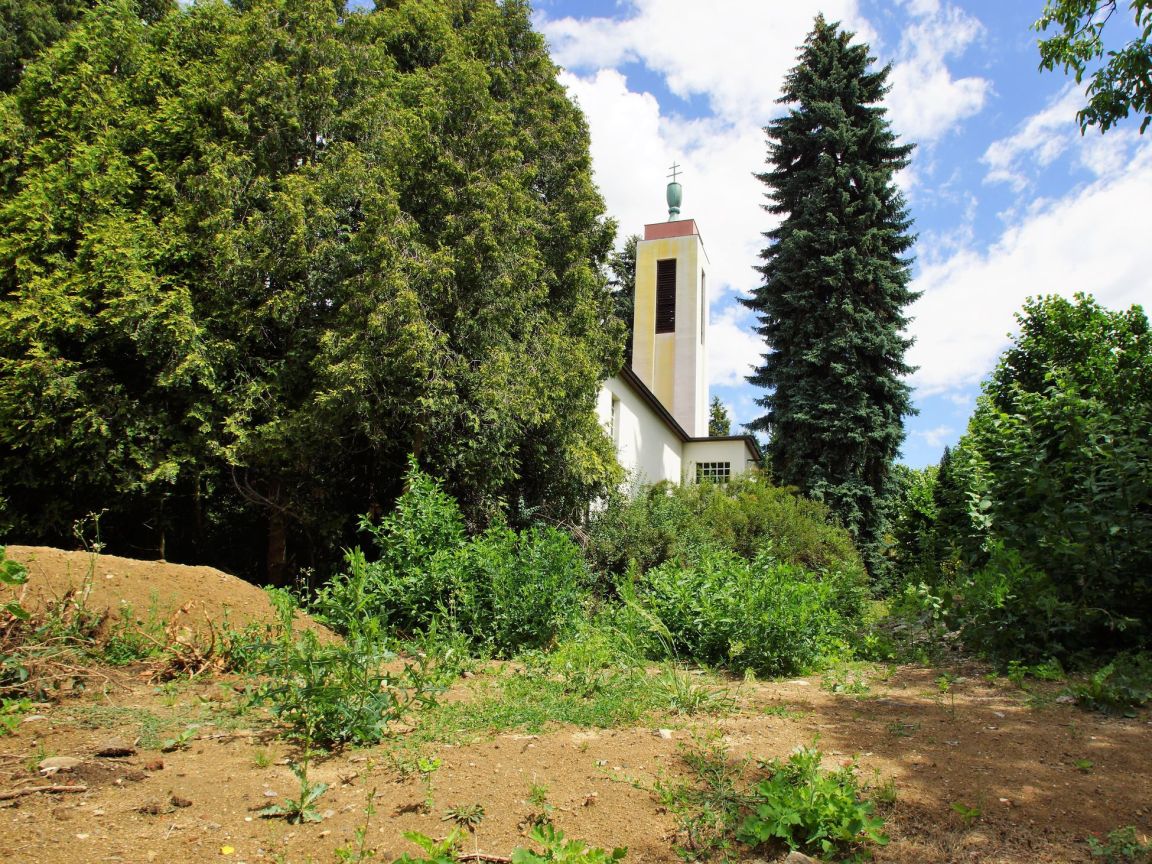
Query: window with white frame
{"points": [[713, 472]]}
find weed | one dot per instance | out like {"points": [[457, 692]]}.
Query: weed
{"points": [[682, 695], [302, 808], [901, 729], [1084, 766], [845, 680], [883, 791], [465, 815], [781, 711], [809, 808], [260, 758], [181, 740], [337, 693], [359, 852], [427, 766], [1121, 686], [542, 807], [1122, 846], [968, 813], [11, 712], [555, 849]]}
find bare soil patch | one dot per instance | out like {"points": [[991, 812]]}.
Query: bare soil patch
{"points": [[983, 772]]}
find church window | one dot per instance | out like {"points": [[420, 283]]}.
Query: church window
{"points": [[713, 472], [666, 296]]}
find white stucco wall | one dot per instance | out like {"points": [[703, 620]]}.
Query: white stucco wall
{"points": [[646, 447], [735, 453]]}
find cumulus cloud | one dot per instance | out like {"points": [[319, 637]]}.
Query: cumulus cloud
{"points": [[734, 349], [935, 437], [735, 53], [1088, 240], [926, 101]]}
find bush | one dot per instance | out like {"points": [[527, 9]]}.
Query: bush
{"points": [[811, 809], [506, 590], [665, 523], [764, 615]]}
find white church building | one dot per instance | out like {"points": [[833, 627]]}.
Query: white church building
{"points": [[656, 409]]}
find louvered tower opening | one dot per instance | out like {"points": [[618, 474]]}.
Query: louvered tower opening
{"points": [[666, 296]]}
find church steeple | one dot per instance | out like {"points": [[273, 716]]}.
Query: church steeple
{"points": [[670, 319]]}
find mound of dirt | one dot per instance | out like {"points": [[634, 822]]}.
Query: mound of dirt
{"points": [[147, 591]]}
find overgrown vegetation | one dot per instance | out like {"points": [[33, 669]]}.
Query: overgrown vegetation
{"points": [[794, 803], [1032, 540]]}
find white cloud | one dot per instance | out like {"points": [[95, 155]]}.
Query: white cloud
{"points": [[926, 101], [1091, 240], [734, 349], [1037, 142], [736, 53], [936, 436]]}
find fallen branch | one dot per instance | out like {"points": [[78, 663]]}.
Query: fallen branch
{"points": [[482, 856], [32, 790]]}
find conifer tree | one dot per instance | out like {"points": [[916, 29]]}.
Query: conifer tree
{"points": [[831, 306]]}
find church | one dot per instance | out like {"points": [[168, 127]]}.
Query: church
{"points": [[656, 408]]}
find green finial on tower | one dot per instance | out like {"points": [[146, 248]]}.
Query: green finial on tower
{"points": [[675, 195]]}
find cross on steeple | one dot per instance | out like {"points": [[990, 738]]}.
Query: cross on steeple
{"points": [[675, 170]]}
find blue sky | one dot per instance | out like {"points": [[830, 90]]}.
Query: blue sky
{"points": [[1009, 200]]}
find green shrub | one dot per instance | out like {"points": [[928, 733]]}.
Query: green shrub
{"points": [[335, 693], [811, 809], [1120, 686], [666, 523], [1122, 846], [506, 590], [763, 615]]}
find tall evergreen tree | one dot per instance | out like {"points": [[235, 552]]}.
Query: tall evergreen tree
{"points": [[831, 306]]}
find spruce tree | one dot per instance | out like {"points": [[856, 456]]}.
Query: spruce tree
{"points": [[831, 306]]}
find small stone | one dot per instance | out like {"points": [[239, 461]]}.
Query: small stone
{"points": [[152, 808], [52, 764], [116, 750], [34, 718], [154, 765], [135, 776], [795, 857], [666, 734], [180, 801], [1066, 699]]}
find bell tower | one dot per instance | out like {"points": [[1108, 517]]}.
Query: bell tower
{"points": [[670, 323]]}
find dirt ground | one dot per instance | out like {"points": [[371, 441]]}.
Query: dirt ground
{"points": [[983, 772]]}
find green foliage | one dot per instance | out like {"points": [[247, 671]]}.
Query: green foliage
{"points": [[666, 523], [1123, 83], [719, 422], [340, 692], [289, 244], [1122, 846], [301, 809], [11, 713], [812, 809], [797, 803], [1120, 686], [506, 590], [763, 615], [1056, 476], [831, 307], [555, 848]]}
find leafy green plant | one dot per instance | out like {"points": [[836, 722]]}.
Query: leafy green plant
{"points": [[302, 808], [812, 809], [1122, 846], [683, 695], [1119, 686], [11, 712], [336, 693], [967, 812], [358, 852], [181, 740], [563, 851], [763, 615]]}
